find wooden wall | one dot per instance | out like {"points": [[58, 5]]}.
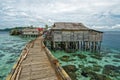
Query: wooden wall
{"points": [[95, 36], [76, 36], [74, 40]]}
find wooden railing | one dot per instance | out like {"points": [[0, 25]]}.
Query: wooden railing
{"points": [[55, 63], [15, 72]]}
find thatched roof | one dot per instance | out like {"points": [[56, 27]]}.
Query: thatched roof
{"points": [[69, 26]]}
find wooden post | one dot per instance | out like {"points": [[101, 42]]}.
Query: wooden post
{"points": [[90, 46], [66, 46], [79, 45], [99, 46], [54, 45], [84, 46], [73, 45], [96, 46], [93, 46]]}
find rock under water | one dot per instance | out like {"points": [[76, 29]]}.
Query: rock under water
{"points": [[1, 55], [117, 56], [111, 70], [71, 69], [64, 58]]}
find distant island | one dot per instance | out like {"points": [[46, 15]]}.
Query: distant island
{"points": [[6, 29], [15, 30], [9, 29]]}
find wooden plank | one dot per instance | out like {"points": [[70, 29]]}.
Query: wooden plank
{"points": [[36, 65]]}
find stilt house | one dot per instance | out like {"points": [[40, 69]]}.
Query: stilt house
{"points": [[70, 37], [32, 32]]}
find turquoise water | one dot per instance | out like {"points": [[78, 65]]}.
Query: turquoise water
{"points": [[108, 60], [10, 49], [89, 62], [95, 66]]}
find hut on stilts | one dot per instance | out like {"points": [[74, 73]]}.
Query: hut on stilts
{"points": [[32, 32], [71, 37]]}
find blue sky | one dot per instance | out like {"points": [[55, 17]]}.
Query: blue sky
{"points": [[97, 14]]}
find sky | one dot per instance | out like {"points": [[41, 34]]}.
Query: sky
{"points": [[96, 14]]}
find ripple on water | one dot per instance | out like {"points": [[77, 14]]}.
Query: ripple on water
{"points": [[11, 60], [10, 49]]}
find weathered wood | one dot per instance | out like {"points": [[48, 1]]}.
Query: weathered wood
{"points": [[18, 75], [36, 64], [73, 32], [62, 75]]}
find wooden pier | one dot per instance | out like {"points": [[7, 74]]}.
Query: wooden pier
{"points": [[37, 63]]}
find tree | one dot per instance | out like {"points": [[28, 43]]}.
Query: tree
{"points": [[46, 27]]}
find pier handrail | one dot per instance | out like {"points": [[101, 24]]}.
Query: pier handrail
{"points": [[15, 72], [55, 63]]}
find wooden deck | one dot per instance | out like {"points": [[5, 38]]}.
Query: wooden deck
{"points": [[35, 64]]}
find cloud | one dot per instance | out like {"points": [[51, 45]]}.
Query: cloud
{"points": [[36, 12], [116, 27], [107, 28]]}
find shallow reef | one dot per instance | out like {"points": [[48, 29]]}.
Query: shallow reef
{"points": [[71, 69], [82, 65]]}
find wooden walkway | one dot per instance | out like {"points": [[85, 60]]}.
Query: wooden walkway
{"points": [[35, 64]]}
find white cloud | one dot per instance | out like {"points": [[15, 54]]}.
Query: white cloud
{"points": [[106, 28], [116, 26], [90, 12]]}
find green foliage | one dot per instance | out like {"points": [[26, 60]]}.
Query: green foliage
{"points": [[14, 32], [46, 27]]}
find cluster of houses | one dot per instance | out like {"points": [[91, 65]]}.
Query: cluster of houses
{"points": [[68, 36], [32, 32]]}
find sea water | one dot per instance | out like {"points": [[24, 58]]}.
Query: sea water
{"points": [[105, 66], [11, 47]]}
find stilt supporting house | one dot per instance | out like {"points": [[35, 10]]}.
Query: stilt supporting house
{"points": [[74, 36]]}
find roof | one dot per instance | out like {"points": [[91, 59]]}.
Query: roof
{"points": [[29, 29], [69, 26], [40, 29]]}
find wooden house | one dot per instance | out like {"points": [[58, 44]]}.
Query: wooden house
{"points": [[32, 32], [70, 37]]}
